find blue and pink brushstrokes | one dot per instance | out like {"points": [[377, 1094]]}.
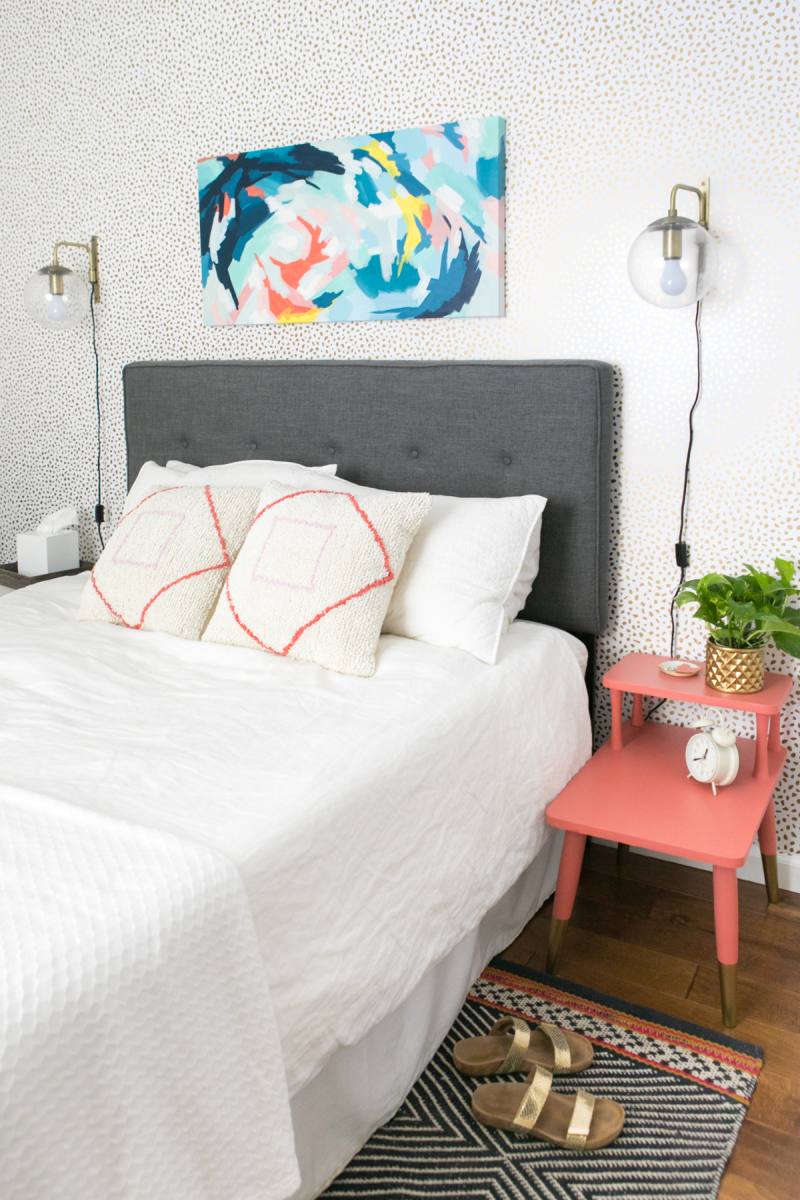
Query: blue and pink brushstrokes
{"points": [[400, 225]]}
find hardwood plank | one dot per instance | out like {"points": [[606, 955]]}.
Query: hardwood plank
{"points": [[619, 892], [642, 895], [769, 947], [776, 1102], [524, 946], [734, 1187], [674, 877], [582, 949], [762, 927], [760, 1001], [764, 1160], [683, 926]]}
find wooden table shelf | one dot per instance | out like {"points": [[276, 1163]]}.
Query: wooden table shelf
{"points": [[11, 578], [635, 791]]}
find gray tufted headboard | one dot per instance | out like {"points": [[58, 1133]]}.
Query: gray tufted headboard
{"points": [[456, 428]]}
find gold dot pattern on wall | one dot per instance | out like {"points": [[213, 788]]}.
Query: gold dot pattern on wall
{"points": [[607, 104]]}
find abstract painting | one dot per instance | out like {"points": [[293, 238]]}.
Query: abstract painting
{"points": [[400, 225]]}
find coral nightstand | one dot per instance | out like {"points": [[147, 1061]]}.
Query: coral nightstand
{"points": [[634, 791]]}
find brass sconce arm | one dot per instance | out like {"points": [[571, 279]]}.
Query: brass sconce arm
{"points": [[672, 238], [703, 197], [57, 271]]}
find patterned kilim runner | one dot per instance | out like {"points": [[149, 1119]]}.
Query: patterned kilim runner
{"points": [[685, 1090]]}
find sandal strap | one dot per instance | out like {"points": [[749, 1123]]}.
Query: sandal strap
{"points": [[539, 1083], [581, 1121], [562, 1056], [520, 1041]]}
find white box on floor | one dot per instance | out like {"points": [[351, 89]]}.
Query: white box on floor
{"points": [[45, 553]]}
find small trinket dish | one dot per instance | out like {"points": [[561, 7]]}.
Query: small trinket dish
{"points": [[680, 668]]}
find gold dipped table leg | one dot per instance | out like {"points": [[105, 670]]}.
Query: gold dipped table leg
{"points": [[727, 992], [770, 864], [557, 930]]}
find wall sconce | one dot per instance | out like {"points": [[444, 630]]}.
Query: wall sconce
{"points": [[58, 298], [674, 261]]}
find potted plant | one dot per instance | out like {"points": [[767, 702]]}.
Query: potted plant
{"points": [[743, 613]]}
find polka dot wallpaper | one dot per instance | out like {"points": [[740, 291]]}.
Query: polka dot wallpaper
{"points": [[107, 107]]}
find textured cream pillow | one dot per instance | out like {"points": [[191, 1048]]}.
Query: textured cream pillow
{"points": [[315, 574], [167, 559]]}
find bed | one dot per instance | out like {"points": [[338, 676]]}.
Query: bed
{"points": [[387, 833]]}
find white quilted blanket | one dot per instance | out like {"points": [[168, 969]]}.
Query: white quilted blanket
{"points": [[139, 1056], [370, 823]]}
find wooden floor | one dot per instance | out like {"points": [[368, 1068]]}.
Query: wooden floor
{"points": [[644, 932]]}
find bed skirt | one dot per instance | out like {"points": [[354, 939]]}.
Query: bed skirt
{"points": [[361, 1086]]}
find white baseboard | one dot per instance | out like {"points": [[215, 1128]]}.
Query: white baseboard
{"points": [[788, 865]]}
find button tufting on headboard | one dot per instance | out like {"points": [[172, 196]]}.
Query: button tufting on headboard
{"points": [[466, 415]]}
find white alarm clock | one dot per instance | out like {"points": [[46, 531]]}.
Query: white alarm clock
{"points": [[712, 755]]}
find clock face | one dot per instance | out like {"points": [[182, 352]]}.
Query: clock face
{"points": [[702, 757]]}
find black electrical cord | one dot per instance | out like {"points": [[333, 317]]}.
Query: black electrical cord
{"points": [[99, 511], [681, 549]]}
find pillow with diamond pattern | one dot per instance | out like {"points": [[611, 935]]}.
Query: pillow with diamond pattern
{"points": [[315, 575], [168, 557]]}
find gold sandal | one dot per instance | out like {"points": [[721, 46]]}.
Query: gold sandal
{"points": [[576, 1122], [512, 1046]]}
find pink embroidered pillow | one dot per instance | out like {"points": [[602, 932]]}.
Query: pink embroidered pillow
{"points": [[167, 559], [315, 575]]}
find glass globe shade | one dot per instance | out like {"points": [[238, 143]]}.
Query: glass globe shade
{"points": [[56, 297], [673, 262]]}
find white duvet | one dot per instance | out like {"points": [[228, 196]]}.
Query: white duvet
{"points": [[357, 827]]}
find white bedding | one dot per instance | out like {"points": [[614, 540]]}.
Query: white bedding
{"points": [[139, 1054], [373, 821]]}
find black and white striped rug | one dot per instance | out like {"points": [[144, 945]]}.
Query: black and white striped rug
{"points": [[685, 1090]]}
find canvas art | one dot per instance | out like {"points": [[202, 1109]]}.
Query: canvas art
{"points": [[390, 226]]}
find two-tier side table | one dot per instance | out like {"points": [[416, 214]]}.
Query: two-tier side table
{"points": [[634, 791]]}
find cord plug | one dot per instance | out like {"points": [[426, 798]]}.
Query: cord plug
{"points": [[682, 554], [99, 514]]}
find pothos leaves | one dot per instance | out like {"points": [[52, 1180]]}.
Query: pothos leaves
{"points": [[748, 610]]}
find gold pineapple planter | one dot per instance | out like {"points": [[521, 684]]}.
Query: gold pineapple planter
{"points": [[731, 670]]}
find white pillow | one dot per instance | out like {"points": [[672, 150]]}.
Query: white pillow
{"points": [[248, 468], [254, 473], [180, 467], [314, 576], [468, 573]]}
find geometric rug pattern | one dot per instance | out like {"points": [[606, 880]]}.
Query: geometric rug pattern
{"points": [[685, 1090]]}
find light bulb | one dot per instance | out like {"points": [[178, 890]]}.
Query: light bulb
{"points": [[57, 309], [673, 280]]}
